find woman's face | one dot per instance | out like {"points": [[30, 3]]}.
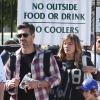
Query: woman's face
{"points": [[69, 46]]}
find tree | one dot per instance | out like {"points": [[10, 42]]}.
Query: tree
{"points": [[8, 12]]}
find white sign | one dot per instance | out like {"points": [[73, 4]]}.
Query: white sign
{"points": [[97, 19], [55, 18]]}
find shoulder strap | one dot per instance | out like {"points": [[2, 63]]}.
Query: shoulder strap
{"points": [[12, 63], [46, 62], [87, 57], [4, 56]]}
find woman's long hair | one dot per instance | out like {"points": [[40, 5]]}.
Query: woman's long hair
{"points": [[78, 50]]}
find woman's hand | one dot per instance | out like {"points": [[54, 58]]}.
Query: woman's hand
{"points": [[89, 69]]}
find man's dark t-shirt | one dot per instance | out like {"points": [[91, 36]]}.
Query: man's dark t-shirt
{"points": [[25, 68]]}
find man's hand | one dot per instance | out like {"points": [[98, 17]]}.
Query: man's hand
{"points": [[43, 84], [32, 84], [14, 82]]}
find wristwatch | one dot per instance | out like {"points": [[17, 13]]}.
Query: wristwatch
{"points": [[39, 84]]}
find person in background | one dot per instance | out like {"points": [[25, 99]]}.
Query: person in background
{"points": [[5, 54], [2, 79], [89, 89], [90, 59], [29, 59], [88, 67], [11, 42], [97, 55]]}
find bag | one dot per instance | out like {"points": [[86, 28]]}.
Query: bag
{"points": [[57, 92]]}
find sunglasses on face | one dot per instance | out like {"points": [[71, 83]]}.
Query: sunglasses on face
{"points": [[25, 35], [98, 41]]}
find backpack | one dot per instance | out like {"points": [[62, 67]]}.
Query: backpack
{"points": [[57, 92], [46, 62]]}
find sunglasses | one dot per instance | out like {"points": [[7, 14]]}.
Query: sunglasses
{"points": [[25, 35], [98, 41]]}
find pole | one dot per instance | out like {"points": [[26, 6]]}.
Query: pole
{"points": [[11, 18], [2, 21], [95, 34]]}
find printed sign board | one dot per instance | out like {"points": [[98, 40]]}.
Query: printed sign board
{"points": [[97, 19], [55, 18]]}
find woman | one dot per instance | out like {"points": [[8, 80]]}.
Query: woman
{"points": [[71, 67], [69, 61]]}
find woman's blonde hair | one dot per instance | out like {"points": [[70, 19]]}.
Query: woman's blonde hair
{"points": [[78, 49]]}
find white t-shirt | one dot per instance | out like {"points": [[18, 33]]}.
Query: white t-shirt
{"points": [[97, 64], [2, 71], [97, 60]]}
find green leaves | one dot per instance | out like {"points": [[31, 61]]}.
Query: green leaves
{"points": [[9, 8]]}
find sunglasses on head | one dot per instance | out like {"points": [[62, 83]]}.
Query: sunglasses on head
{"points": [[25, 35]]}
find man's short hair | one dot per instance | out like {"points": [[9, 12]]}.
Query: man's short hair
{"points": [[27, 25]]}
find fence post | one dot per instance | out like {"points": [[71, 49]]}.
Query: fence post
{"points": [[2, 38], [11, 18]]}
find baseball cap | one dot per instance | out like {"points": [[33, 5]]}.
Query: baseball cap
{"points": [[89, 84]]}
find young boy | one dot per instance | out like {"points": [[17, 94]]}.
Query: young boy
{"points": [[89, 89]]}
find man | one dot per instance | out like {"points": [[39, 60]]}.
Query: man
{"points": [[29, 59], [9, 48], [97, 59], [97, 52]]}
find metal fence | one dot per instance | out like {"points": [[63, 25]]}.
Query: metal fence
{"points": [[8, 19]]}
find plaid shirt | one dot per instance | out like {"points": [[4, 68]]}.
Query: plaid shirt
{"points": [[38, 73]]}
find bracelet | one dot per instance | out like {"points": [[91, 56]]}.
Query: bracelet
{"points": [[39, 84]]}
